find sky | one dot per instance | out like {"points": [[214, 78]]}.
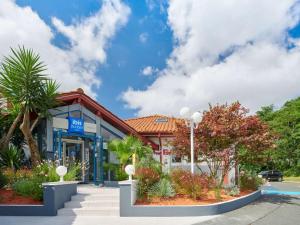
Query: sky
{"points": [[145, 57]]}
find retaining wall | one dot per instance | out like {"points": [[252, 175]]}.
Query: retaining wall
{"points": [[55, 194], [128, 209]]}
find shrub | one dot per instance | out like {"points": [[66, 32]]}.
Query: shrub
{"points": [[11, 158], [234, 191], [162, 188], [189, 184], [249, 181], [3, 180], [10, 175], [117, 170], [292, 172], [23, 174], [73, 172], [146, 178], [30, 188]]}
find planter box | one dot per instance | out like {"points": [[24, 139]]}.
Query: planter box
{"points": [[128, 197], [55, 194]]}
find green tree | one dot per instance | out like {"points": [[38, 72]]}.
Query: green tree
{"points": [[286, 123], [23, 82], [124, 149]]}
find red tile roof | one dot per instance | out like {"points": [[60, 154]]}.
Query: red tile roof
{"points": [[80, 97], [154, 124]]}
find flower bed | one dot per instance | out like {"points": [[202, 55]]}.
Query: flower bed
{"points": [[186, 200], [9, 197]]}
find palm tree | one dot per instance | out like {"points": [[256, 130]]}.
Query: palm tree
{"points": [[23, 82], [124, 149]]}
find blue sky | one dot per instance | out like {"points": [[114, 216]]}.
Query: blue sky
{"points": [[146, 57], [126, 54]]}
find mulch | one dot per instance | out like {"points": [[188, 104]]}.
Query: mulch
{"points": [[9, 197]]}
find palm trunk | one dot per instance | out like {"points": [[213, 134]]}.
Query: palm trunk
{"points": [[6, 138], [34, 152]]}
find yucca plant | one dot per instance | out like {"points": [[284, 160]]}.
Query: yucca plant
{"points": [[11, 158], [23, 82]]}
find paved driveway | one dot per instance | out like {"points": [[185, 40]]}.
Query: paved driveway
{"points": [[269, 210]]}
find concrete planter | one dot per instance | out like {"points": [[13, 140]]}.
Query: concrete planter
{"points": [[55, 195], [128, 197]]}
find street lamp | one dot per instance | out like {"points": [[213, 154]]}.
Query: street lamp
{"points": [[192, 122]]}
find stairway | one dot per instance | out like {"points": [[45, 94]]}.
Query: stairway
{"points": [[92, 201]]}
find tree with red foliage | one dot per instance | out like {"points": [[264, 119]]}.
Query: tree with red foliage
{"points": [[225, 136]]}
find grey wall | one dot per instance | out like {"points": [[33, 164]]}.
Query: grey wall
{"points": [[128, 209], [55, 195]]}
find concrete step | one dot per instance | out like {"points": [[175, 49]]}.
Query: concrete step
{"points": [[103, 211], [95, 197], [94, 203]]}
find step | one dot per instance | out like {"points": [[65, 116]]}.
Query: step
{"points": [[105, 211], [95, 203], [95, 197], [107, 191]]}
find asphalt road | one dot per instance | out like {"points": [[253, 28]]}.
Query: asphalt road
{"points": [[268, 210]]}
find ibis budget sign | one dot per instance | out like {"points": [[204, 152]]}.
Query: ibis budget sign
{"points": [[76, 125]]}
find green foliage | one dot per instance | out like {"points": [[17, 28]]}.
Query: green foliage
{"points": [[163, 188], [249, 181], [23, 82], [285, 122], [149, 162], [73, 172], [117, 170], [31, 188], [234, 191], [3, 180], [11, 158], [124, 149], [47, 171]]}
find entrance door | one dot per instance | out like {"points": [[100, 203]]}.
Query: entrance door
{"points": [[73, 151]]}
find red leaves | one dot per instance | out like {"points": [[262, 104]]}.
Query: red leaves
{"points": [[222, 131]]}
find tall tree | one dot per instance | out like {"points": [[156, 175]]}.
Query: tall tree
{"points": [[226, 136], [286, 123], [23, 82]]}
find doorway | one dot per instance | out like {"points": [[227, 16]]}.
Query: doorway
{"points": [[74, 152]]}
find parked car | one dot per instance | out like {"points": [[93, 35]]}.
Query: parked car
{"points": [[271, 175]]}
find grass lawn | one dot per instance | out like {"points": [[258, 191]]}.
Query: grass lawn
{"points": [[296, 179]]}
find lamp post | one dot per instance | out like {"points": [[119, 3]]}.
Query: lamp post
{"points": [[192, 121]]}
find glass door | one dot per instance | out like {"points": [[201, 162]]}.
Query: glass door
{"points": [[74, 152]]}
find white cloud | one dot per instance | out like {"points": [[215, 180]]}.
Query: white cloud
{"points": [[251, 35], [73, 67], [143, 37], [149, 70]]}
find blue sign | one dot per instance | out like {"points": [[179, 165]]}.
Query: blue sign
{"points": [[76, 125]]}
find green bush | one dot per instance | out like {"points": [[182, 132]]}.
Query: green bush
{"points": [[163, 188], [292, 172], [30, 184], [249, 181], [73, 172], [3, 180], [11, 158], [234, 191], [29, 188], [117, 170]]}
